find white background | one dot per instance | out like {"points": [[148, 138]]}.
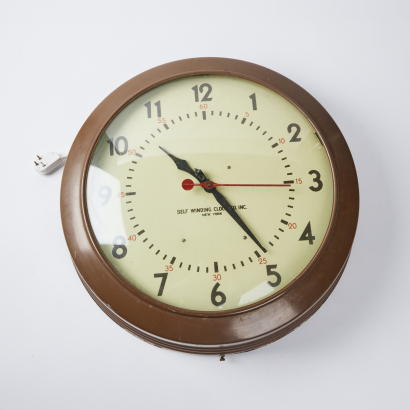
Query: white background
{"points": [[59, 59]]}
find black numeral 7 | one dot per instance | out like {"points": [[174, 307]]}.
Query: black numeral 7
{"points": [[164, 279]]}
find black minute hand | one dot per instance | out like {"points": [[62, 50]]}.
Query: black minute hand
{"points": [[228, 208], [199, 175]]}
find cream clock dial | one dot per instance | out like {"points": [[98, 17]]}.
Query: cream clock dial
{"points": [[210, 192]]}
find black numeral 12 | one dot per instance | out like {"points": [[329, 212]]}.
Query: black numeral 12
{"points": [[201, 90]]}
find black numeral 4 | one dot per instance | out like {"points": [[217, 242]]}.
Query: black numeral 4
{"points": [[253, 98], [307, 234]]}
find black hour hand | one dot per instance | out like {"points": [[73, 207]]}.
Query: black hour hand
{"points": [[181, 164]]}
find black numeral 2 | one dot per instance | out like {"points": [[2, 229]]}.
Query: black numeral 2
{"points": [[295, 135]]}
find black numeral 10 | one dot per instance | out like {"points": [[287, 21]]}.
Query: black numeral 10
{"points": [[149, 112], [116, 146]]}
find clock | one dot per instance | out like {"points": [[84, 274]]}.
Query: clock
{"points": [[209, 205]]}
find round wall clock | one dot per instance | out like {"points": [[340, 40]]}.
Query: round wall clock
{"points": [[209, 205]]}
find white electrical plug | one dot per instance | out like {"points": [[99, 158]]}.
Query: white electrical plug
{"points": [[49, 162]]}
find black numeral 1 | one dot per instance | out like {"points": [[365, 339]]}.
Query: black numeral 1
{"points": [[157, 104], [253, 98]]}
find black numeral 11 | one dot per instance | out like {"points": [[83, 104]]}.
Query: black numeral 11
{"points": [[157, 104]]}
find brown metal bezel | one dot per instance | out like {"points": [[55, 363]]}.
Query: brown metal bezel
{"points": [[231, 331]]}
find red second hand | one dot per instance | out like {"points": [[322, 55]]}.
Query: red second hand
{"points": [[188, 184]]}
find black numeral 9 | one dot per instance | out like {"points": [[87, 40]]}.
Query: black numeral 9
{"points": [[105, 193]]}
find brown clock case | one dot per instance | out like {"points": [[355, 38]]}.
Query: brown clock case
{"points": [[231, 331]]}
